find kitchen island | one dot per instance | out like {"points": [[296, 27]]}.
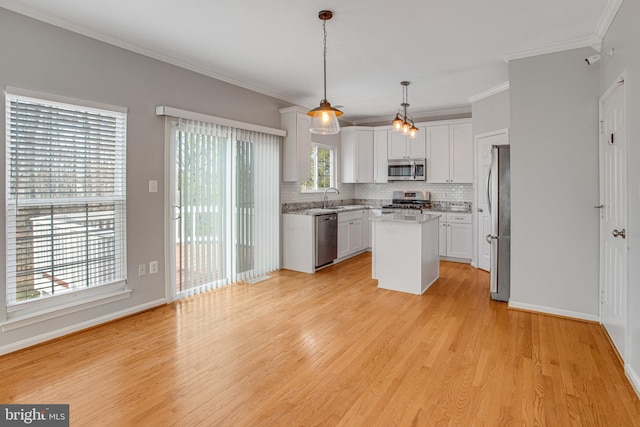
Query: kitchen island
{"points": [[405, 251]]}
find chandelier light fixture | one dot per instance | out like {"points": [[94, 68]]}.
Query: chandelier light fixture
{"points": [[402, 122], [324, 119]]}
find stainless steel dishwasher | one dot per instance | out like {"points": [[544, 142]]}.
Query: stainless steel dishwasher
{"points": [[326, 239]]}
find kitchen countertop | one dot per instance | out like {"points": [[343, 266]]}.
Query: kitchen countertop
{"points": [[417, 218], [330, 210]]}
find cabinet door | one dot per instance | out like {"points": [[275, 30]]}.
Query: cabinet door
{"points": [[442, 238], [461, 153], [348, 154], [355, 235], [303, 137], [380, 156], [296, 147], [343, 239], [397, 145], [459, 240], [418, 145], [364, 156], [365, 230], [438, 154]]}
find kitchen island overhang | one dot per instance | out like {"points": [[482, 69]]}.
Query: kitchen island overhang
{"points": [[405, 251]]}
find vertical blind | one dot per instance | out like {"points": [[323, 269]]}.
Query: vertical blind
{"points": [[227, 192], [66, 198]]}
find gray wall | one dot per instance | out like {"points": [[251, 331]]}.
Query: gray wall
{"points": [[624, 36], [45, 58], [554, 175], [491, 113]]}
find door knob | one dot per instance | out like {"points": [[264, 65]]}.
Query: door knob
{"points": [[622, 233], [479, 210]]}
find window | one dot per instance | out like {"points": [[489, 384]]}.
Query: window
{"points": [[65, 199], [322, 165]]}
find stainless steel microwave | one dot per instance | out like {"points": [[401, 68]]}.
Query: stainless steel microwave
{"points": [[407, 170]]}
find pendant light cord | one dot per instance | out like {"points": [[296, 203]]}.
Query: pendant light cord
{"points": [[324, 57]]}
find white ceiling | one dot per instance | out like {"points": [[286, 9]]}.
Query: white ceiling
{"points": [[450, 50]]}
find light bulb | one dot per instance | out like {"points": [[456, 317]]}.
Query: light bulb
{"points": [[405, 128]]}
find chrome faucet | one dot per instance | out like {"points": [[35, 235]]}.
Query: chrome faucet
{"points": [[324, 197]]}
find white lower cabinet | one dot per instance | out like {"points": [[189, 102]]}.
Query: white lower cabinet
{"points": [[298, 252], [455, 235], [353, 232], [442, 236]]}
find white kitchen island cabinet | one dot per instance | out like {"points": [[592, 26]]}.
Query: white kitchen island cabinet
{"points": [[405, 252]]}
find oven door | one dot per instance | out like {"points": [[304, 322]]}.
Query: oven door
{"points": [[400, 170]]}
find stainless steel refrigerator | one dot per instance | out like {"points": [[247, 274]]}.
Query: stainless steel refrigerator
{"points": [[499, 196]]}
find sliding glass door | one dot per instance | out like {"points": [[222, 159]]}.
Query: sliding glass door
{"points": [[221, 226]]}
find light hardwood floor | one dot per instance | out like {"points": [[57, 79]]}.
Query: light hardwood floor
{"points": [[331, 349]]}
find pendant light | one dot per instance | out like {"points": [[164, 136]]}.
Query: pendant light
{"points": [[402, 122], [324, 119]]}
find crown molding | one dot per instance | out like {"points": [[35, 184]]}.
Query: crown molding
{"points": [[550, 48], [487, 93], [61, 23], [423, 115], [605, 21], [594, 41]]}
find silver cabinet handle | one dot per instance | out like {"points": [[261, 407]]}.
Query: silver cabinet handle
{"points": [[622, 233]]}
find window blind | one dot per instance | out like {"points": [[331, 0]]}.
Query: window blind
{"points": [[66, 198], [227, 191]]}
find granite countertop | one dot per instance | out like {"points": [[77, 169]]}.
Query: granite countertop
{"points": [[330, 210], [417, 218]]}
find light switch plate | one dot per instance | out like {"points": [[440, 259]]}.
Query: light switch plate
{"points": [[142, 269], [153, 267], [153, 186]]}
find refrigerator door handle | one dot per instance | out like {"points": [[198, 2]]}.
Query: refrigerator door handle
{"points": [[489, 191]]}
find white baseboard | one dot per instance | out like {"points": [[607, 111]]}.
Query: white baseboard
{"points": [[77, 327], [634, 379], [554, 311]]}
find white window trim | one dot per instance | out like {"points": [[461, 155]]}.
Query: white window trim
{"points": [[32, 312], [47, 309], [334, 165]]}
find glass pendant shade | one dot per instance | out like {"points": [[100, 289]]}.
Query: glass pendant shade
{"points": [[405, 128], [324, 119], [397, 123], [413, 131]]}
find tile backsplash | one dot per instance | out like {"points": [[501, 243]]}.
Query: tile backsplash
{"points": [[290, 192]]}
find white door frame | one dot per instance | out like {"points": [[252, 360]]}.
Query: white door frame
{"points": [[169, 243], [476, 214], [612, 88]]}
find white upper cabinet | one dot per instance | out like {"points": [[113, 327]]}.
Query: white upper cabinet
{"points": [[297, 144], [450, 153], [357, 155], [403, 147], [380, 159]]}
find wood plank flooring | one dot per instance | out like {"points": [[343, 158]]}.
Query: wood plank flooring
{"points": [[331, 349]]}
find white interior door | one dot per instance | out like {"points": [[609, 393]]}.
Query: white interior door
{"points": [[613, 215], [484, 143]]}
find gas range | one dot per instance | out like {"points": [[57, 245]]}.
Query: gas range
{"points": [[408, 201]]}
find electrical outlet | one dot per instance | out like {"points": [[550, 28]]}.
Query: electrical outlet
{"points": [[142, 269], [153, 267]]}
